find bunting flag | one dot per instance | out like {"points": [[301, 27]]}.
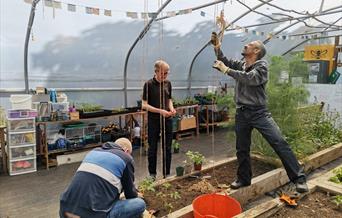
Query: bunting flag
{"points": [[171, 14], [56, 4], [144, 15], [152, 15], [48, 3], [107, 13], [89, 10], [133, 15], [185, 11], [71, 7], [96, 11]]}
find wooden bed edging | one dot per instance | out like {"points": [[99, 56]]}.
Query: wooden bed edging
{"points": [[269, 208], [270, 180]]}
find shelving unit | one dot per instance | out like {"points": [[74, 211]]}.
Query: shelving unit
{"points": [[78, 138], [187, 124], [21, 150], [207, 123]]}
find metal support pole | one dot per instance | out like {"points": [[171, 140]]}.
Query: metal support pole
{"points": [[27, 40]]}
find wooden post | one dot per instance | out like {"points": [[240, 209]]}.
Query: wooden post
{"points": [[3, 152]]}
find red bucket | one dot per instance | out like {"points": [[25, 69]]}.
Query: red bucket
{"points": [[215, 206]]}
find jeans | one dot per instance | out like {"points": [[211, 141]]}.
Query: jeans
{"points": [[246, 119], [130, 208], [159, 128]]}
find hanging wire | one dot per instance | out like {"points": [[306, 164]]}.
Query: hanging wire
{"points": [[162, 100], [143, 118]]}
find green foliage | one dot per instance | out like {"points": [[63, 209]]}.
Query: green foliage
{"points": [[195, 157], [307, 129], [166, 197], [298, 68], [88, 107], [338, 200], [175, 195], [175, 144], [166, 185], [225, 101], [186, 101], [337, 178], [147, 185]]}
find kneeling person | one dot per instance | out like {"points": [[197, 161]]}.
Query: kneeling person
{"points": [[95, 188]]}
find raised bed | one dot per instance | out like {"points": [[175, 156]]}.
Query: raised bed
{"points": [[189, 187], [268, 181]]}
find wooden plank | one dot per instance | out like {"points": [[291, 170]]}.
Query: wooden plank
{"points": [[323, 182], [185, 212], [260, 185], [274, 204], [322, 157]]}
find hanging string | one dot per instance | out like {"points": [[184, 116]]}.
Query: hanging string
{"points": [[143, 67], [163, 120]]}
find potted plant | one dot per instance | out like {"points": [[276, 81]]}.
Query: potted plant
{"points": [[187, 167], [175, 146], [179, 171], [197, 158]]}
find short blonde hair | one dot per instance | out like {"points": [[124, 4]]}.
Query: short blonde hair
{"points": [[124, 143], [159, 64]]}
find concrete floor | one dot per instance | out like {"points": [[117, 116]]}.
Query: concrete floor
{"points": [[37, 194]]}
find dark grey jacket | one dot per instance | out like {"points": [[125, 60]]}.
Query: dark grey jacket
{"points": [[250, 88]]}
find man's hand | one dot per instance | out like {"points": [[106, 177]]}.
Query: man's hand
{"points": [[219, 65], [215, 40], [173, 112], [165, 113]]}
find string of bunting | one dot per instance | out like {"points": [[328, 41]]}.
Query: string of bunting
{"points": [[269, 35], [145, 15], [107, 12]]}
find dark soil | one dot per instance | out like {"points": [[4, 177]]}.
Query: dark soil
{"points": [[189, 188], [317, 204]]}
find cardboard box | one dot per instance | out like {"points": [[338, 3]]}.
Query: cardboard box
{"points": [[74, 115], [187, 123]]}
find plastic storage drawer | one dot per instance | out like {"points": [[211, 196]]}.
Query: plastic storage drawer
{"points": [[20, 125], [22, 166], [21, 138], [24, 152], [21, 114]]}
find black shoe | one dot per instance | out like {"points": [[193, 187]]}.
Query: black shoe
{"points": [[301, 187], [237, 184]]}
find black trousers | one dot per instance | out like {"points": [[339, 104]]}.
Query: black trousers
{"points": [[159, 129], [246, 119]]}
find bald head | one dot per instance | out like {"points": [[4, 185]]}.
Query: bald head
{"points": [[125, 144]]}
